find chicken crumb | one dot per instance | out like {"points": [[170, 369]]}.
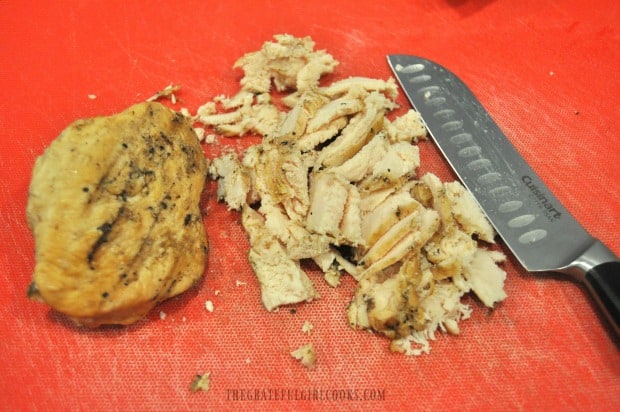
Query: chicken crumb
{"points": [[162, 315], [201, 382], [166, 92], [200, 133], [306, 355], [209, 306], [307, 327]]}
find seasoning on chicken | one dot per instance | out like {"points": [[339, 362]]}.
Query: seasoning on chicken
{"points": [[114, 208]]}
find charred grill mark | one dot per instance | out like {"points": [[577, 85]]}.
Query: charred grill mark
{"points": [[146, 242], [137, 172], [99, 187], [165, 138], [105, 230], [103, 238], [171, 286], [108, 178]]}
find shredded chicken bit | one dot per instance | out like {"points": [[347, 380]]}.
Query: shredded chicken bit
{"points": [[306, 355], [335, 181]]}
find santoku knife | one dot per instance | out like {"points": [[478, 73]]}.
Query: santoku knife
{"points": [[539, 231]]}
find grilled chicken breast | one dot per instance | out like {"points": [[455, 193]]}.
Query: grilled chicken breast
{"points": [[114, 209]]}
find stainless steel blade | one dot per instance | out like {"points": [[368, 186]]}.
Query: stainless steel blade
{"points": [[536, 227], [539, 231]]}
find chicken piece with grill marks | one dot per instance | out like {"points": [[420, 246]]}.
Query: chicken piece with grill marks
{"points": [[114, 209]]}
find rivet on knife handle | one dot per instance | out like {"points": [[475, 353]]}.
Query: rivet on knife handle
{"points": [[539, 231]]}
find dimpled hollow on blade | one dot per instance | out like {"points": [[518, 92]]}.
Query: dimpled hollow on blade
{"points": [[540, 232]]}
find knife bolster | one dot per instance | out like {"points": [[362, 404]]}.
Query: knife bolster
{"points": [[599, 269], [596, 254], [604, 283]]}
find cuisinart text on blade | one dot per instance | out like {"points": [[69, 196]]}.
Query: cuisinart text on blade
{"points": [[540, 232]]}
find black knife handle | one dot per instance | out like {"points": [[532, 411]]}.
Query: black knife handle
{"points": [[603, 281], [598, 268]]}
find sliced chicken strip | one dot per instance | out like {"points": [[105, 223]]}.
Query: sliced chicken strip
{"points": [[310, 141], [298, 241], [342, 87], [468, 213], [405, 237], [282, 281], [396, 167], [233, 180], [358, 132], [328, 197], [296, 121], [371, 199], [361, 164], [406, 128], [333, 110], [486, 278], [392, 236], [386, 215], [351, 223]]}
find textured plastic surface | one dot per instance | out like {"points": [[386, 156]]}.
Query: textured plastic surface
{"points": [[545, 71]]}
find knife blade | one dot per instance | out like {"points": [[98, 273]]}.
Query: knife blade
{"points": [[534, 225]]}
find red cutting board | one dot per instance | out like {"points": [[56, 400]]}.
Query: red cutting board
{"points": [[547, 72]]}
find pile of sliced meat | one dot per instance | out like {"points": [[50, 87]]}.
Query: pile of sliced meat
{"points": [[335, 181]]}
